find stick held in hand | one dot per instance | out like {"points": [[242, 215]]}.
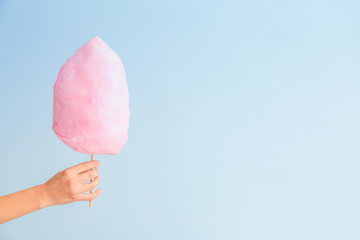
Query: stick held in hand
{"points": [[91, 191]]}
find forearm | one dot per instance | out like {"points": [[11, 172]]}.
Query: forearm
{"points": [[64, 187], [23, 202]]}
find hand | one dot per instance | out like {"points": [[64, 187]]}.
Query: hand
{"points": [[69, 185]]}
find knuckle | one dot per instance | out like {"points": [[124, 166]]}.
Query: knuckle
{"points": [[89, 177], [94, 184], [72, 187], [93, 174], [66, 173], [97, 180]]}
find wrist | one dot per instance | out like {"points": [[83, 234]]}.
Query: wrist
{"points": [[45, 199]]}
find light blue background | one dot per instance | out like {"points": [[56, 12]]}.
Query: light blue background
{"points": [[245, 120]]}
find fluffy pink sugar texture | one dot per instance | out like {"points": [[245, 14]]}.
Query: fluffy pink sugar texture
{"points": [[91, 100]]}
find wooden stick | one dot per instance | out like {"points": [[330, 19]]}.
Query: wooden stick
{"points": [[91, 191]]}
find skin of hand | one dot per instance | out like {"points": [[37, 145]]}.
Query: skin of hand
{"points": [[69, 185], [65, 187]]}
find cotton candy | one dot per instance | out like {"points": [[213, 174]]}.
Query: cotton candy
{"points": [[91, 100]]}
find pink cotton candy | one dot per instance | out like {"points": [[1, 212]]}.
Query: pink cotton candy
{"points": [[91, 100]]}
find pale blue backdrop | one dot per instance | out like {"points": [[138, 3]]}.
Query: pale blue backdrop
{"points": [[245, 118]]}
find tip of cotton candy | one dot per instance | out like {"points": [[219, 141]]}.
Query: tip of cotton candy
{"points": [[91, 100], [96, 40]]}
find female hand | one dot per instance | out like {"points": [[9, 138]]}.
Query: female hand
{"points": [[69, 185]]}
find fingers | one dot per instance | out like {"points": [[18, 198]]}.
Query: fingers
{"points": [[88, 175], [91, 185], [89, 196], [82, 167]]}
